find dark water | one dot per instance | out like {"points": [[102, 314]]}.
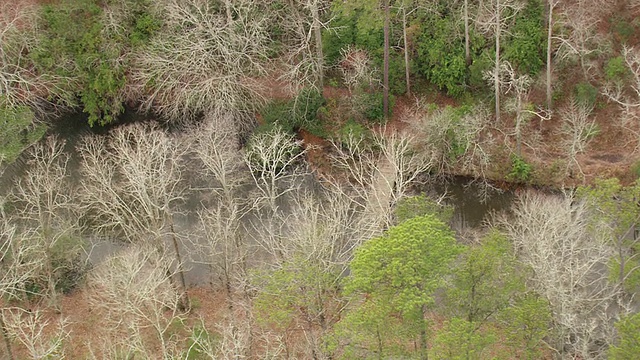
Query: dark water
{"points": [[471, 200]]}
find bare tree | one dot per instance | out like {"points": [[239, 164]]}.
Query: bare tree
{"points": [[387, 47], [551, 5], [133, 183], [272, 158], [627, 96], [47, 215], [519, 85], [224, 250], [570, 269], [448, 141], [36, 334], [378, 175], [357, 69], [582, 38], [133, 292], [494, 17], [302, 22], [201, 62], [578, 130]]}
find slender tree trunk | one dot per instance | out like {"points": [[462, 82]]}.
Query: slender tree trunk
{"points": [[227, 4], [424, 348], [385, 98], [379, 338], [7, 342], [186, 304], [467, 51], [549, 34], [406, 50], [317, 30], [518, 125], [497, 69]]}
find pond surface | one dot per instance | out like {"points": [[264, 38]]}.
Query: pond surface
{"points": [[471, 200]]}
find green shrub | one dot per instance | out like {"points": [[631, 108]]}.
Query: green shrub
{"points": [[306, 107], [370, 107], [352, 130], [616, 70], [73, 43], [482, 63], [145, 26], [299, 113], [421, 205], [17, 131], [586, 94], [521, 171], [622, 29]]}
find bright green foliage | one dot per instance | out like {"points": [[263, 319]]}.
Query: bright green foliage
{"points": [[421, 205], [526, 323], [299, 290], [461, 340], [614, 215], [526, 48], [485, 279], [17, 131], [373, 331], [397, 274], [628, 346]]}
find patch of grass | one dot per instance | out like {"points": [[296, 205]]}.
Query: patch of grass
{"points": [[635, 169]]}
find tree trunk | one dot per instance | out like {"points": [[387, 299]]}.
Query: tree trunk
{"points": [[5, 336], [317, 30], [549, 34], [385, 98], [497, 68], [406, 50], [186, 304], [467, 51], [424, 348], [227, 4]]}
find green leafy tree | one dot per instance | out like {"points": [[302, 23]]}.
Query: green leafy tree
{"points": [[443, 55], [460, 340], [396, 275], [485, 279], [526, 48], [614, 214], [484, 282], [301, 294], [75, 44], [526, 323], [628, 346]]}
